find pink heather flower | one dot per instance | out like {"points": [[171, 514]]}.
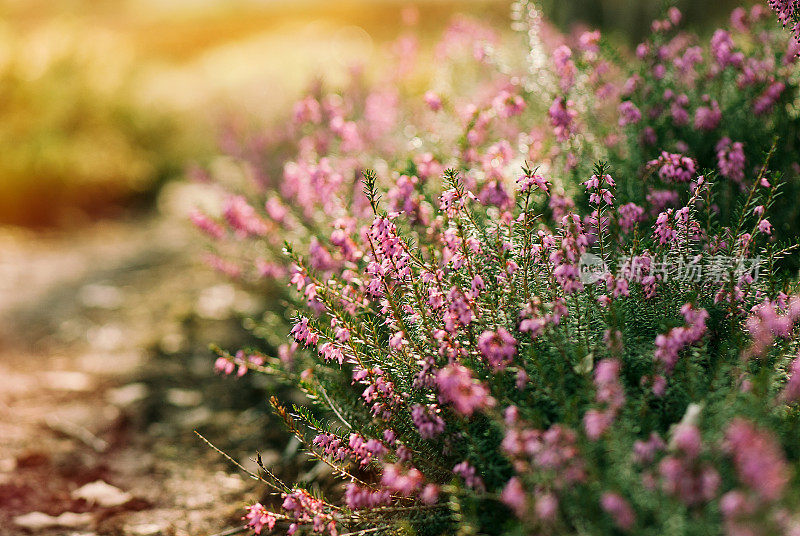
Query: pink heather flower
{"points": [[765, 102], [301, 507], [759, 460], [606, 379], [469, 474], [477, 285], [459, 310], [459, 388], [674, 167], [644, 452], [568, 276], [731, 159], [400, 481], [659, 386], [365, 450], [661, 199], [526, 182], [307, 110], [629, 114], [259, 517], [739, 19], [513, 496], [276, 210], [332, 446], [224, 366], [565, 67], [610, 393], [329, 353], [648, 136], [686, 439], [397, 341], [546, 506], [433, 101], [791, 393], [358, 498], [319, 257], [619, 510], [689, 483], [670, 344], [508, 105], [686, 64], [342, 334], [243, 218], [765, 227], [562, 117], [708, 118], [430, 494], [674, 15], [597, 193], [498, 347], [588, 41], [764, 324], [302, 333], [629, 215], [427, 420], [493, 193], [596, 422], [663, 228], [722, 49], [207, 225], [680, 115], [788, 12]]}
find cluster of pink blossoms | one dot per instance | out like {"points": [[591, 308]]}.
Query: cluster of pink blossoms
{"points": [[553, 451], [619, 509], [759, 460], [670, 344], [683, 474], [458, 387], [258, 517], [427, 420], [731, 159], [562, 118], [303, 509], [674, 167], [610, 393], [361, 450], [498, 347], [480, 283], [239, 363], [788, 12], [769, 320], [629, 114]]}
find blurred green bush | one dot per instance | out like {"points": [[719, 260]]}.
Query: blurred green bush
{"points": [[73, 137]]}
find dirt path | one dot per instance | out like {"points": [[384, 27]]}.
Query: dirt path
{"points": [[105, 373]]}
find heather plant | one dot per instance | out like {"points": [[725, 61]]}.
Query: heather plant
{"points": [[479, 377], [495, 334], [723, 105], [788, 12]]}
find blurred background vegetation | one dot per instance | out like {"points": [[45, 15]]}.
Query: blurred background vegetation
{"points": [[103, 101]]}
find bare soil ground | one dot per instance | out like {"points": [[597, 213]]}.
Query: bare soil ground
{"points": [[105, 373]]}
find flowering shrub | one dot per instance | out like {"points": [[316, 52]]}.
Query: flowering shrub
{"points": [[788, 12], [723, 105], [492, 347]]}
